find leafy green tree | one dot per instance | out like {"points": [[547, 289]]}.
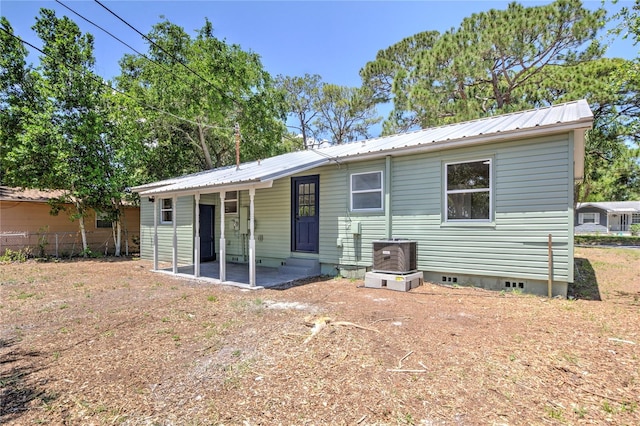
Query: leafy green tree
{"points": [[300, 93], [19, 102], [392, 75], [60, 125], [345, 113], [59, 141], [199, 89], [492, 63]]}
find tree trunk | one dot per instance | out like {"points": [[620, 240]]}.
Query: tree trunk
{"points": [[116, 227], [118, 239], [205, 148], [83, 231]]}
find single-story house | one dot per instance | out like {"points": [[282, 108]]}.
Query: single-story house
{"points": [[26, 222], [606, 217], [486, 201]]}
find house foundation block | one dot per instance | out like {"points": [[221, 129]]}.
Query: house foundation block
{"points": [[397, 282]]}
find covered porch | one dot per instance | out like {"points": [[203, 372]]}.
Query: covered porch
{"points": [[238, 274], [182, 220]]}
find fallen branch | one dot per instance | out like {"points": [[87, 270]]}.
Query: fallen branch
{"points": [[403, 358], [613, 339], [404, 370], [610, 398], [346, 323], [320, 323], [390, 319]]}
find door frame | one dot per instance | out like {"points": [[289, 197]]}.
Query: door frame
{"points": [[213, 231], [295, 181]]}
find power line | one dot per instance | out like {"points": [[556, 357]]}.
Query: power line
{"points": [[98, 26], [102, 82], [223, 94], [118, 39]]}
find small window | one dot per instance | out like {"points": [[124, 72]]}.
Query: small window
{"points": [[635, 218], [166, 210], [589, 217], [231, 202], [468, 191], [102, 220], [366, 191]]}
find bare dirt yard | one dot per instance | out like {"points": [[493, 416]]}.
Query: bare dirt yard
{"points": [[108, 342]]}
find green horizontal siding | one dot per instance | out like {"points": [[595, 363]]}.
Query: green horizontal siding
{"points": [[273, 219], [532, 196], [184, 231]]}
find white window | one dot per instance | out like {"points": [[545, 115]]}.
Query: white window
{"points": [[231, 202], [102, 220], [166, 210], [468, 191], [635, 218], [588, 217], [366, 191]]}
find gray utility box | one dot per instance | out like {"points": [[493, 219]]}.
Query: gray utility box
{"points": [[395, 256]]}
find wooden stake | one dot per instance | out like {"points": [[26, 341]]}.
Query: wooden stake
{"points": [[550, 283]]}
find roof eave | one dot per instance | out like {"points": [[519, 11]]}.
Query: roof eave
{"points": [[582, 124], [257, 184]]}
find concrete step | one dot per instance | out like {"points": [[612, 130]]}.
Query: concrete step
{"points": [[299, 266]]}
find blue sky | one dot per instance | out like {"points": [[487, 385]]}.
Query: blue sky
{"points": [[330, 38]]}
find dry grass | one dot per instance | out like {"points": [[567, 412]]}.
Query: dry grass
{"points": [[108, 342]]}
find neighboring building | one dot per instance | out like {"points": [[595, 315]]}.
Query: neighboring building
{"points": [[25, 221], [606, 217], [481, 199]]}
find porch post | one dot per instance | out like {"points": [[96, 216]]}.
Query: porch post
{"points": [[223, 241], [196, 245], [155, 235], [174, 216], [388, 214], [252, 241]]}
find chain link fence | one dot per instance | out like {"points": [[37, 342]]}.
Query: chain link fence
{"points": [[62, 244]]}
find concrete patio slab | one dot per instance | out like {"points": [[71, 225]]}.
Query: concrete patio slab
{"points": [[238, 275]]}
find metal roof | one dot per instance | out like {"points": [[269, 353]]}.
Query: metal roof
{"points": [[565, 117], [614, 206]]}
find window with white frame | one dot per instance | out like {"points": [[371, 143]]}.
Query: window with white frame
{"points": [[635, 218], [468, 191], [166, 210], [231, 202], [366, 191], [103, 220], [588, 217]]}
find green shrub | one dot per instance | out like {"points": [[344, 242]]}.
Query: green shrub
{"points": [[607, 240], [15, 255], [635, 229]]}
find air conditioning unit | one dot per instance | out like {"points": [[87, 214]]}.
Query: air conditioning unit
{"points": [[396, 256]]}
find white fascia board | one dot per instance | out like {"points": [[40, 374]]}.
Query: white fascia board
{"points": [[209, 189], [578, 154]]}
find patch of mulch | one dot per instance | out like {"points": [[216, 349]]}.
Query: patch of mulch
{"points": [[109, 342]]}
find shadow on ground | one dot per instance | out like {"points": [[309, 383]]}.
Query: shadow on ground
{"points": [[585, 285], [17, 390], [301, 282]]}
